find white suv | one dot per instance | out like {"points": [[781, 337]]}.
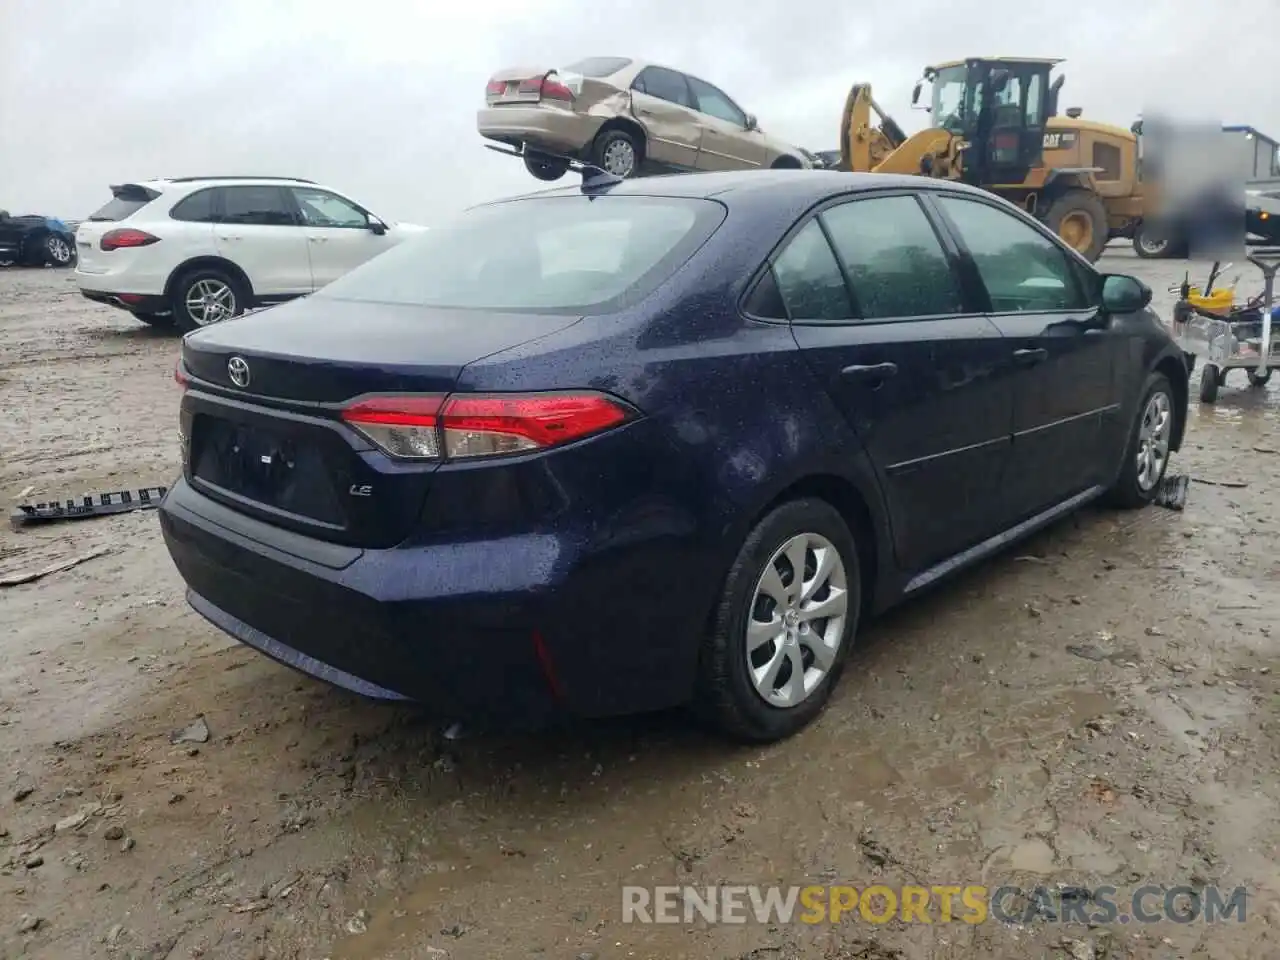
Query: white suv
{"points": [[191, 251]]}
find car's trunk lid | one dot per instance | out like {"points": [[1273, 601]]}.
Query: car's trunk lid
{"points": [[262, 418]]}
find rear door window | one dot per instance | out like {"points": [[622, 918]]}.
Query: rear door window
{"points": [[551, 255], [809, 278], [261, 206], [895, 263], [665, 85], [1023, 271]]}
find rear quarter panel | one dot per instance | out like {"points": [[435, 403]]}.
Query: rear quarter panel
{"points": [[732, 418]]}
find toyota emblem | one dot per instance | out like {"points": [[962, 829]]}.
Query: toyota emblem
{"points": [[238, 371]]}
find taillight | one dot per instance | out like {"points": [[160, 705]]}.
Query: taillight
{"points": [[126, 237], [546, 88], [555, 90], [495, 88], [463, 426], [180, 375]]}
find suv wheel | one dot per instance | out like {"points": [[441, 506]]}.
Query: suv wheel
{"points": [[784, 624], [57, 252], [1146, 454], [206, 296]]}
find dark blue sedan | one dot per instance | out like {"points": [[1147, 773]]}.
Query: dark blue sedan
{"points": [[622, 447]]}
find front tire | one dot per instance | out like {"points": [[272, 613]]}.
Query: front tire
{"points": [[784, 625], [1146, 455], [206, 296], [1080, 218], [617, 152], [1259, 380]]}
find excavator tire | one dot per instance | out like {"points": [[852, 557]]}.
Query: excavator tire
{"points": [[1079, 218]]}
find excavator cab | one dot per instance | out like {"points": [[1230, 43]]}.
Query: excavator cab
{"points": [[997, 107]]}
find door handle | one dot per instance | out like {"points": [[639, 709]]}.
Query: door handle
{"points": [[872, 371], [232, 236], [1030, 357], [318, 239]]}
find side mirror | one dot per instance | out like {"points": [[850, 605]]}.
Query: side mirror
{"points": [[376, 226], [915, 92], [1124, 294], [752, 122]]}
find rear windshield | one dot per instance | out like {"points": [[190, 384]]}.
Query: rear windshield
{"points": [[544, 255], [125, 203], [596, 67]]}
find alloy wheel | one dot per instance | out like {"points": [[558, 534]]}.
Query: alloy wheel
{"points": [[59, 250], [1154, 434], [797, 620], [210, 301]]}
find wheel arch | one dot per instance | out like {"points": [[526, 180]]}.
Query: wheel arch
{"points": [[786, 162], [1062, 179], [855, 508], [1176, 372], [208, 262], [629, 126]]}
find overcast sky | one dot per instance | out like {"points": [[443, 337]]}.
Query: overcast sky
{"points": [[378, 97]]}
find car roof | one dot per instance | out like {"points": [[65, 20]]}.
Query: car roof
{"points": [[803, 185], [161, 183]]}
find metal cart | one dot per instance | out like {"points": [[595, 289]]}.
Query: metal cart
{"points": [[1238, 339]]}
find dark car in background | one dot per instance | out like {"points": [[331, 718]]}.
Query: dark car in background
{"points": [[668, 441], [36, 240]]}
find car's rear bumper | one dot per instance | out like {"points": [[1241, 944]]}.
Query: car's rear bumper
{"points": [[133, 302], [498, 630], [560, 130]]}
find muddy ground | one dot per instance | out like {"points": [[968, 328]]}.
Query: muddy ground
{"points": [[1100, 706]]}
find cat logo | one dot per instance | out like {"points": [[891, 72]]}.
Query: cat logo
{"points": [[1059, 139]]}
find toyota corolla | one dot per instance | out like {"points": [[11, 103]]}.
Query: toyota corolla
{"points": [[639, 444]]}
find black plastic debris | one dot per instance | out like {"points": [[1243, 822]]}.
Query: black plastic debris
{"points": [[1172, 492], [90, 505]]}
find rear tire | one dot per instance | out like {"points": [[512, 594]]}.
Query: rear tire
{"points": [[735, 686], [57, 252], [543, 167], [617, 152], [205, 296], [1084, 218], [1151, 433]]}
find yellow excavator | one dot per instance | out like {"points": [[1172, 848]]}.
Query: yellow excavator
{"points": [[995, 125]]}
